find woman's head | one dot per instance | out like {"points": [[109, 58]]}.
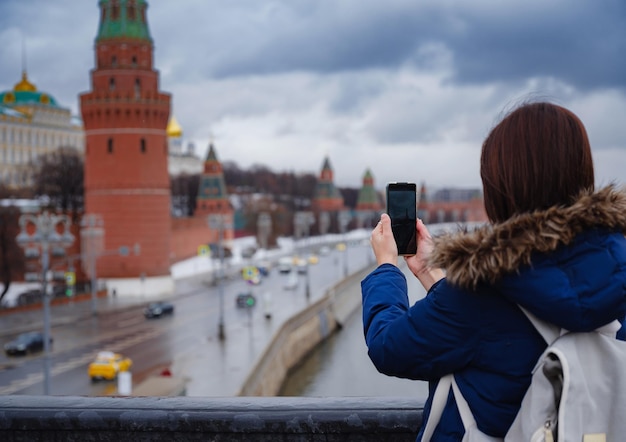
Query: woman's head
{"points": [[538, 156]]}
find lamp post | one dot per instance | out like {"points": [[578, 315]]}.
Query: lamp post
{"points": [[219, 222], [324, 222], [264, 228], [302, 224], [45, 232], [344, 219], [92, 237]]}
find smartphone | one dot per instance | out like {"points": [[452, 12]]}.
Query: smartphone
{"points": [[402, 209]]}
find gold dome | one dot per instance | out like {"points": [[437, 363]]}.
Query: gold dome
{"points": [[173, 128], [24, 85]]}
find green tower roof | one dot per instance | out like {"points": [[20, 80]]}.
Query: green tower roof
{"points": [[123, 19]]}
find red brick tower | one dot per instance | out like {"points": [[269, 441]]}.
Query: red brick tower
{"points": [[368, 205], [212, 196], [327, 196], [125, 118], [368, 198]]}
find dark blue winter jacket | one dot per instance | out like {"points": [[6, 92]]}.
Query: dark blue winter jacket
{"points": [[565, 265]]}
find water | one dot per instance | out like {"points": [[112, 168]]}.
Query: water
{"points": [[341, 367]]}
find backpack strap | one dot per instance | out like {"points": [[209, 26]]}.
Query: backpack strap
{"points": [[440, 398], [551, 332], [437, 405]]}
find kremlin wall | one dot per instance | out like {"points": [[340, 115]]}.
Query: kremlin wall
{"points": [[130, 144]]}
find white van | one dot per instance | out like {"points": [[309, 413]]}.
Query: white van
{"points": [[285, 264]]}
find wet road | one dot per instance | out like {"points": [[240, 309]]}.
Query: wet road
{"points": [[186, 343]]}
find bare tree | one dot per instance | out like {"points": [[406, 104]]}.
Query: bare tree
{"points": [[184, 193], [59, 175], [11, 255]]}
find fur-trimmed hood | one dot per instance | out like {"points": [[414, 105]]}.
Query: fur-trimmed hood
{"points": [[489, 252]]}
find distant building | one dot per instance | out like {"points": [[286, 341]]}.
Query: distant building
{"points": [[180, 161], [368, 206], [328, 208], [32, 124], [451, 205], [327, 197], [213, 198]]}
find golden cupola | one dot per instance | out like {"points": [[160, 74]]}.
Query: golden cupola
{"points": [[173, 128], [24, 85]]}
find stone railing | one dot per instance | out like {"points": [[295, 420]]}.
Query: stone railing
{"points": [[119, 419]]}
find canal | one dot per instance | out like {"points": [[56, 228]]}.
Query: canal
{"points": [[341, 367]]}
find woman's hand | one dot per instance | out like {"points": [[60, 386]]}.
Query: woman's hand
{"points": [[418, 263], [383, 242]]}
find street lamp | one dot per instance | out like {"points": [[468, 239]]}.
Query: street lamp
{"points": [[45, 232], [344, 219], [302, 224], [219, 222], [92, 240], [324, 222], [264, 228]]}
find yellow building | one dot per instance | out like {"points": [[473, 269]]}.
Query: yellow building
{"points": [[32, 124]]}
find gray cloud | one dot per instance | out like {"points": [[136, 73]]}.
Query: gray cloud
{"points": [[372, 84], [581, 43]]}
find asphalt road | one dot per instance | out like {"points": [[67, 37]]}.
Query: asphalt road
{"points": [[186, 343]]}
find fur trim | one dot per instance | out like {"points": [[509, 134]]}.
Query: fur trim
{"points": [[491, 251]]}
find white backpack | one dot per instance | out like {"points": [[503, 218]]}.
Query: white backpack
{"points": [[577, 392]]}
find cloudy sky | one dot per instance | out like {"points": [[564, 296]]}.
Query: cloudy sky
{"points": [[406, 88]]}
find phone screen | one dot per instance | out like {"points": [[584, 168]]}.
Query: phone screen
{"points": [[402, 209]]}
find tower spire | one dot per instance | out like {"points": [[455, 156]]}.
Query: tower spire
{"points": [[23, 54]]}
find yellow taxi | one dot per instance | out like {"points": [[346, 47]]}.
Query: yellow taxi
{"points": [[107, 365], [313, 259]]}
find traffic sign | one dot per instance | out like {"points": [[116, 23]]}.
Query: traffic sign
{"points": [[204, 250], [70, 278], [250, 273]]}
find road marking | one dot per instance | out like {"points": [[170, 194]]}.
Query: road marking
{"points": [[131, 321], [71, 364]]}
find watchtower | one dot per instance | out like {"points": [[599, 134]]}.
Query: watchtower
{"points": [[125, 118]]}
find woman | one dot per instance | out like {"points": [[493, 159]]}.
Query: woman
{"points": [[553, 246]]}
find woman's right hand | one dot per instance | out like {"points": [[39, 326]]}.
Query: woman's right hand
{"points": [[383, 242], [418, 263]]}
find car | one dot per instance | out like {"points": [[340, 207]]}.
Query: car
{"points": [[301, 264], [324, 251], [158, 309], [291, 283], [285, 264], [108, 365], [246, 300], [25, 343], [264, 268], [248, 252]]}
